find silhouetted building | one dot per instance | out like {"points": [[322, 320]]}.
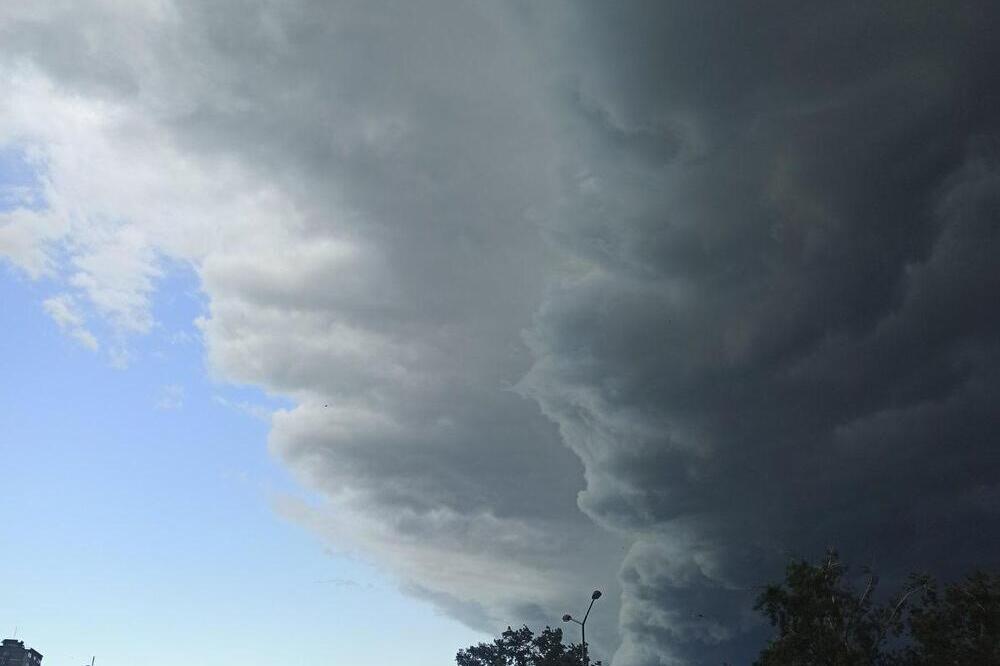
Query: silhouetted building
{"points": [[13, 653]]}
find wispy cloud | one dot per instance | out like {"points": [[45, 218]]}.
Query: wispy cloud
{"points": [[66, 313], [171, 397], [256, 411]]}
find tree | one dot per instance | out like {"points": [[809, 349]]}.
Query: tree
{"points": [[520, 647], [822, 621], [961, 626]]}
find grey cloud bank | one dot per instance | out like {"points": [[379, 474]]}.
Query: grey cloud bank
{"points": [[644, 296], [787, 340]]}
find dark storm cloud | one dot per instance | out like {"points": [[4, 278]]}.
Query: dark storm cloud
{"points": [[751, 249], [786, 337]]}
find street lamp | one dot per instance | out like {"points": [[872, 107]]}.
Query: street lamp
{"points": [[583, 625]]}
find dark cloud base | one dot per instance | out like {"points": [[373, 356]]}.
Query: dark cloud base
{"points": [[789, 339]]}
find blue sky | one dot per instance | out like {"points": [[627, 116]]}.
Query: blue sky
{"points": [[138, 510]]}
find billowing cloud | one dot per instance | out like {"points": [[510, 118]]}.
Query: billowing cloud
{"points": [[783, 335], [646, 298], [359, 190]]}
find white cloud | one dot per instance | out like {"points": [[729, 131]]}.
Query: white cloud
{"points": [[65, 312], [259, 412], [171, 397]]}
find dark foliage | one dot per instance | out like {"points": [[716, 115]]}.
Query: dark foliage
{"points": [[520, 647], [821, 620], [960, 626]]}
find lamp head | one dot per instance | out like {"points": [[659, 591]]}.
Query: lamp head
{"points": [[567, 617], [596, 595]]}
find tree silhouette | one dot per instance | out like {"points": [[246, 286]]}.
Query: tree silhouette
{"points": [[960, 626], [822, 621], [520, 647]]}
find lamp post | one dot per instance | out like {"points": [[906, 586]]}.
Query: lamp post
{"points": [[583, 624]]}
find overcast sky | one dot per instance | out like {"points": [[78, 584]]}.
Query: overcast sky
{"points": [[521, 299]]}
